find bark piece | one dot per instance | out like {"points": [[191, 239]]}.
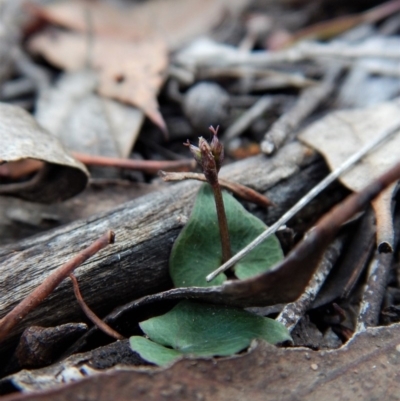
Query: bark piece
{"points": [[294, 311], [365, 368], [40, 346]]}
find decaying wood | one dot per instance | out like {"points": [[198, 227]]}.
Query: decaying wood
{"points": [[137, 264], [371, 303], [42, 291], [73, 368]]}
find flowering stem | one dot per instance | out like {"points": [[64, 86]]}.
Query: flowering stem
{"points": [[210, 157], [222, 222]]}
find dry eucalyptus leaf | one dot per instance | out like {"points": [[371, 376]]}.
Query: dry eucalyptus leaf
{"points": [[131, 72], [85, 122], [341, 134], [22, 138], [177, 21]]}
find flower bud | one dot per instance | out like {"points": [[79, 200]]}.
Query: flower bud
{"points": [[217, 148], [209, 156], [195, 151], [208, 162]]}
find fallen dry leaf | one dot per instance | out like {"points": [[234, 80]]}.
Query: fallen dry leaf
{"points": [[176, 21], [341, 134], [129, 48], [22, 138], [85, 122], [365, 368], [129, 72]]}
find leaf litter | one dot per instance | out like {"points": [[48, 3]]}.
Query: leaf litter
{"points": [[239, 73], [130, 73], [176, 21], [86, 122], [61, 176]]}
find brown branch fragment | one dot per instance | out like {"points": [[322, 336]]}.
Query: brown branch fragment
{"points": [[294, 311], [50, 283], [374, 292], [309, 100], [90, 314], [147, 166], [242, 191]]}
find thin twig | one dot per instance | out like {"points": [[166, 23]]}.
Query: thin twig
{"points": [[247, 118], [90, 314], [148, 166], [50, 283], [309, 100], [375, 289], [307, 198], [241, 191], [21, 168], [294, 311]]}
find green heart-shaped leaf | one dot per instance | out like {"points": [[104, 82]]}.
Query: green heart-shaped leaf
{"points": [[205, 330], [197, 250], [153, 352]]}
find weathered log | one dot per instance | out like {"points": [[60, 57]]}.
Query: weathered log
{"points": [[137, 263]]}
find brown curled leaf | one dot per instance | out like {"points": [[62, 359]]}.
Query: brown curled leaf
{"points": [[21, 138]]}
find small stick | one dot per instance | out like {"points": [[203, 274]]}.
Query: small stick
{"points": [[308, 101], [22, 168], [371, 304], [247, 118], [241, 191], [50, 283], [294, 311], [147, 166], [90, 314], [307, 198]]}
